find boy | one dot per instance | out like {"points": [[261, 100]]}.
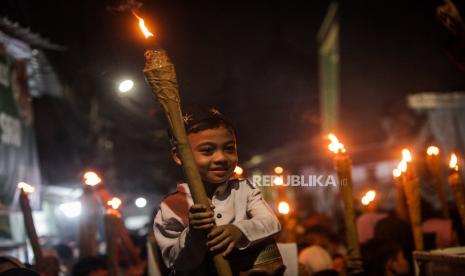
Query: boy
{"points": [[186, 233]]}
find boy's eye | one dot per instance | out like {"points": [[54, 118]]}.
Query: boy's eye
{"points": [[230, 148], [207, 150]]}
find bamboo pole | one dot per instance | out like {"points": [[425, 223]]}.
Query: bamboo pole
{"points": [[30, 228], [434, 165], [343, 166], [412, 194], [111, 238], [161, 76]]}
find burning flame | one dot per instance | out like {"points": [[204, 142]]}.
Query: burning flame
{"points": [[28, 189], [335, 146], [238, 171], [368, 197], [283, 208], [402, 166], [114, 203], [406, 155], [396, 172], [91, 178], [432, 150], [278, 180], [278, 170], [142, 26], [453, 162]]}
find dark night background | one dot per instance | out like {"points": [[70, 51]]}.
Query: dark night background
{"points": [[256, 60]]}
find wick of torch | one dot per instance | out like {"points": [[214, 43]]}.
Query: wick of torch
{"points": [[335, 146], [28, 189], [142, 26], [453, 164]]}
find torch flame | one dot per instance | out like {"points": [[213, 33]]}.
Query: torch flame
{"points": [[453, 162], [335, 146], [432, 150], [396, 172], [278, 181], [402, 166], [368, 197], [92, 178], [406, 155], [114, 203], [283, 208], [142, 26], [28, 189], [238, 171]]}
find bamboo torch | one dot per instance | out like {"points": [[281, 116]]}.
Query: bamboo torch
{"points": [[88, 227], [401, 209], [112, 215], [26, 189], [434, 165], [456, 183], [412, 194], [343, 165], [160, 74]]}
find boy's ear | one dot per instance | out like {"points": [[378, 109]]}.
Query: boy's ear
{"points": [[175, 156]]}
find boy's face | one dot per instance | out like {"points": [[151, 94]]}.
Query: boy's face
{"points": [[215, 153]]}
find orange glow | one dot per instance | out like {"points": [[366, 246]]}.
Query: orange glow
{"points": [[278, 180], [335, 146], [283, 208], [142, 26], [92, 178], [114, 203], [453, 164], [406, 155], [238, 171], [368, 197], [396, 172], [402, 166], [278, 170], [432, 150], [28, 189]]}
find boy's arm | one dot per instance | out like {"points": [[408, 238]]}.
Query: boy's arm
{"points": [[262, 221], [182, 248]]}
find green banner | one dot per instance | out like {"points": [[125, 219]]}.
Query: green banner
{"points": [[18, 152]]}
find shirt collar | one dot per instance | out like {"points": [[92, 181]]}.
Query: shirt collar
{"points": [[184, 188]]}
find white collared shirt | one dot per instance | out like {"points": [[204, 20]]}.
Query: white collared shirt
{"points": [[236, 202]]}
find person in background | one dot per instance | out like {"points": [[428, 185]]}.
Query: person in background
{"points": [[91, 266], [384, 258]]}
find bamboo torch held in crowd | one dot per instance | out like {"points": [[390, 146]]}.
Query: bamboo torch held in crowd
{"points": [[401, 209], [434, 166], [24, 190], [160, 74], [89, 215], [412, 194], [112, 215], [456, 184], [343, 166]]}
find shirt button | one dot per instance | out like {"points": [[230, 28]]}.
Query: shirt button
{"points": [[218, 216]]}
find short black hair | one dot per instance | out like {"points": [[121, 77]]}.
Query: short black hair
{"points": [[202, 117]]}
